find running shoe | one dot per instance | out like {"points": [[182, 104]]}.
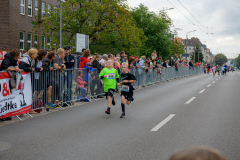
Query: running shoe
{"points": [[113, 102], [50, 105], [123, 115], [107, 111]]}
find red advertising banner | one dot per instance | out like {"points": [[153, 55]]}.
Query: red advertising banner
{"points": [[15, 101]]}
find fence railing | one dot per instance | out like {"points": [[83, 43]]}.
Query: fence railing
{"points": [[63, 88]]}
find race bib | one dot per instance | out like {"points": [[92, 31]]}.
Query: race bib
{"points": [[111, 76], [125, 88]]}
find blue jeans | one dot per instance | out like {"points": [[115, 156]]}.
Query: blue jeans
{"points": [[81, 92]]}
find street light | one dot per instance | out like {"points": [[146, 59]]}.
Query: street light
{"points": [[187, 42], [61, 22]]}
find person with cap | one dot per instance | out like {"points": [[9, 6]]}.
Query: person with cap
{"points": [[69, 61]]}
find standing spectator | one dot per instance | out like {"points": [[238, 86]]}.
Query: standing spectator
{"points": [[84, 59], [124, 59], [110, 56], [54, 50], [47, 65], [80, 56], [136, 60], [103, 60], [59, 66], [117, 55], [9, 62], [140, 67], [171, 62], [130, 61], [154, 55], [28, 60], [38, 81], [122, 53], [69, 62], [95, 77]]}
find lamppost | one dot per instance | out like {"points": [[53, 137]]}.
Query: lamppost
{"points": [[187, 42], [61, 22]]}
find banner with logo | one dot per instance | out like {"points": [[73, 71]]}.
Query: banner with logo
{"points": [[15, 101]]}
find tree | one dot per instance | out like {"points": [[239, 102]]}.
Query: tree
{"points": [[197, 49], [238, 61], [107, 22], [156, 29], [178, 48], [220, 59]]}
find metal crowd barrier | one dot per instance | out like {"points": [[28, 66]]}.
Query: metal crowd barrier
{"points": [[63, 88]]}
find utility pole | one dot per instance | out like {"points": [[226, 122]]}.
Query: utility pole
{"points": [[39, 29]]}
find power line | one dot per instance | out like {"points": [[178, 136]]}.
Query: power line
{"points": [[186, 17], [192, 15]]}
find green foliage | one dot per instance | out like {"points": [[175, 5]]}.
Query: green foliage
{"points": [[238, 61], [112, 27], [156, 28], [220, 59], [178, 48], [197, 50]]}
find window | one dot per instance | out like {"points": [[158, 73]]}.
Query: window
{"points": [[43, 9], [22, 7], [35, 41], [49, 8], [36, 7], [43, 42], [30, 8], [29, 41], [22, 40]]}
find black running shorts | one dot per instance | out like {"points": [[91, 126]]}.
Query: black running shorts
{"points": [[109, 93], [127, 95]]}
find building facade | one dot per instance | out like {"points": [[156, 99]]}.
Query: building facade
{"points": [[16, 29]]}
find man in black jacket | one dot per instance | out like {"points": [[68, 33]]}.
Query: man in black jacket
{"points": [[95, 77], [69, 61]]}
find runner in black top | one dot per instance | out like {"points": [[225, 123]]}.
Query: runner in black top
{"points": [[127, 88]]}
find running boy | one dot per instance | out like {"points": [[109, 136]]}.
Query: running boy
{"points": [[127, 88], [110, 78]]}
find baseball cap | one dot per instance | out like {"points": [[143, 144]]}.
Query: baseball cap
{"points": [[88, 64], [67, 47], [135, 57]]}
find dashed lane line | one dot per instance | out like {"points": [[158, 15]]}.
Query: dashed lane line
{"points": [[161, 124], [190, 100], [209, 85], [202, 91], [213, 82]]}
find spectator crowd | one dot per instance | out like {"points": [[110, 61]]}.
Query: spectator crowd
{"points": [[54, 72]]}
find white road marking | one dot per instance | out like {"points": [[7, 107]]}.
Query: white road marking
{"points": [[216, 79], [190, 100], [213, 82], [157, 127], [209, 85], [202, 91]]}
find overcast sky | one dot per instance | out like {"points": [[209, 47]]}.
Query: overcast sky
{"points": [[218, 18]]}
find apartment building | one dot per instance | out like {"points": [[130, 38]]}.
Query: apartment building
{"points": [[16, 29]]}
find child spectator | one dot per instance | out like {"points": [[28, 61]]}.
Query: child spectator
{"points": [[80, 85]]}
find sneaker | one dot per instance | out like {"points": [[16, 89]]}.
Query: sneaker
{"points": [[86, 100], [123, 115], [107, 111], [113, 102], [50, 105]]}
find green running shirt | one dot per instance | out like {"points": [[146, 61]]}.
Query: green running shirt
{"points": [[109, 81]]}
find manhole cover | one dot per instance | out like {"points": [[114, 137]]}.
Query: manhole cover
{"points": [[4, 146]]}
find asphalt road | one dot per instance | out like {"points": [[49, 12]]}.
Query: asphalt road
{"points": [[162, 119]]}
